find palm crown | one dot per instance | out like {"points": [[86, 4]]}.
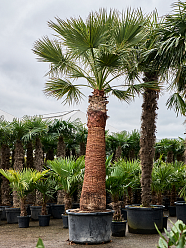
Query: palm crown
{"points": [[98, 50]]}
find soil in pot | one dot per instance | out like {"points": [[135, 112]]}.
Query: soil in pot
{"points": [[23, 221], [44, 220], [11, 215], [65, 220], [118, 228]]}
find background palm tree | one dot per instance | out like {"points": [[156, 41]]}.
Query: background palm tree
{"points": [[5, 140], [97, 50], [36, 127]]}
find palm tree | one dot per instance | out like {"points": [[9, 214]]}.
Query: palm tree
{"points": [[117, 142], [5, 140], [97, 50], [22, 181], [153, 67], [67, 173], [36, 127], [174, 34]]}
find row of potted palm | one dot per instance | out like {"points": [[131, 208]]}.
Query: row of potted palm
{"points": [[61, 174]]}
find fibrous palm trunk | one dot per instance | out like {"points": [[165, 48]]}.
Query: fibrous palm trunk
{"points": [[18, 165], [38, 165], [170, 157], [82, 149], [147, 140], [29, 149], [5, 187], [60, 154], [118, 153], [30, 164], [93, 196], [61, 147]]}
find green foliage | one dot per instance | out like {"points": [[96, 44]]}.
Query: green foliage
{"points": [[176, 237], [23, 181], [99, 49], [40, 243], [47, 186], [122, 175], [68, 172]]}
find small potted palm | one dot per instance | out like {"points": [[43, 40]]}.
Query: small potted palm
{"points": [[47, 187], [116, 185], [67, 173], [22, 181]]}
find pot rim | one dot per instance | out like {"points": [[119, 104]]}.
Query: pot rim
{"points": [[140, 208], [109, 212]]}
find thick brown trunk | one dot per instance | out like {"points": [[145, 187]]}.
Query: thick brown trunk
{"points": [[22, 207], [147, 140], [93, 196], [173, 196], [19, 156], [132, 155], [60, 197], [60, 154], [50, 154], [38, 165], [118, 153], [61, 147], [5, 186], [44, 209], [30, 161], [170, 157], [68, 201], [82, 149], [18, 165]]}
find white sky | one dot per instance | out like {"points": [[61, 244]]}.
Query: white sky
{"points": [[22, 80]]}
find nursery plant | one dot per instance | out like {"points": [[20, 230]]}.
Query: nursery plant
{"points": [[47, 186], [23, 182], [67, 172]]}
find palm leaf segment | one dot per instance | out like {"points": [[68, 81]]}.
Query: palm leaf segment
{"points": [[67, 172], [96, 50], [23, 181], [173, 49]]}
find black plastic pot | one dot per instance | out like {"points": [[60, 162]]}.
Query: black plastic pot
{"points": [[1, 212], [90, 228], [141, 219], [124, 213], [57, 210], [23, 221], [35, 211], [3, 216], [172, 211], [11, 215], [118, 228], [44, 220], [181, 211], [165, 218], [65, 220]]}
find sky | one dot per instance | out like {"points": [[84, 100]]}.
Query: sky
{"points": [[22, 77]]}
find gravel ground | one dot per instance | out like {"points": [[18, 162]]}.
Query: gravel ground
{"points": [[55, 236]]}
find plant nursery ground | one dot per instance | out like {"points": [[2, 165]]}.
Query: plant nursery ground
{"points": [[55, 236]]}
